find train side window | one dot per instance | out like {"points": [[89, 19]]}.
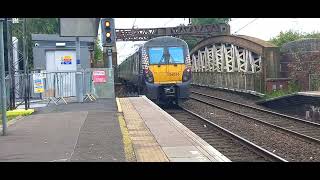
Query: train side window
{"points": [[133, 64], [137, 63]]}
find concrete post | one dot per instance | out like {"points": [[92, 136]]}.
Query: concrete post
{"points": [[25, 64], [79, 77], [2, 85], [307, 114], [109, 54]]}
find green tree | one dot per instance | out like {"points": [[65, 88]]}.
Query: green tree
{"points": [[312, 35], [98, 54], [288, 36], [35, 26], [285, 37], [298, 64], [191, 41], [199, 21], [43, 25]]}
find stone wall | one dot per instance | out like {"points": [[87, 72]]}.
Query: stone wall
{"points": [[299, 59]]}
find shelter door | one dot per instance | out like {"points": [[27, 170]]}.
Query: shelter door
{"points": [[61, 67]]}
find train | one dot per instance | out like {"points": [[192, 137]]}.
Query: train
{"points": [[160, 69]]}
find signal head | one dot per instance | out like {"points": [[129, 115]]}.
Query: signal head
{"points": [[107, 24]]}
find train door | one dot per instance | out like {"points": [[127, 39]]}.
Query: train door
{"points": [[176, 64], [157, 64]]}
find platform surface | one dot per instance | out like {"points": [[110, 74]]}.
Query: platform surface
{"points": [[157, 136], [310, 93], [292, 100], [67, 132]]}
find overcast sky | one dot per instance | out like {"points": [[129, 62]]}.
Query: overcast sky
{"points": [[263, 28]]}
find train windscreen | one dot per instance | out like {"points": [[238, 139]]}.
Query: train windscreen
{"points": [[176, 55], [156, 55]]}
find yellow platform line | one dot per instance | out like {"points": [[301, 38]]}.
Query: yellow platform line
{"points": [[145, 146], [127, 143], [119, 105], [128, 147]]}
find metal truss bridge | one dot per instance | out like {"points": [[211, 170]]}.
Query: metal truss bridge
{"points": [[144, 34]]}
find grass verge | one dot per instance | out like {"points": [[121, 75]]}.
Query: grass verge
{"points": [[17, 112]]}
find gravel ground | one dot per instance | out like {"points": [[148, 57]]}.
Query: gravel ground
{"points": [[120, 90], [230, 147], [303, 128], [229, 95], [123, 91], [299, 111], [296, 111], [288, 147]]}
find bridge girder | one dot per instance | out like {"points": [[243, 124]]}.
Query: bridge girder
{"points": [[232, 53], [224, 57], [144, 34], [240, 63]]}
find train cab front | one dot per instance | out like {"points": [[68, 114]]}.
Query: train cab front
{"points": [[165, 87], [168, 74]]}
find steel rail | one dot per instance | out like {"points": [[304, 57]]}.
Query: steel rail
{"points": [[260, 109], [263, 122], [251, 145]]}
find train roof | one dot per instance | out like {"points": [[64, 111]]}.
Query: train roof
{"points": [[165, 40]]}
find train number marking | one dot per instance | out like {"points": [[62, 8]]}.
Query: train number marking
{"points": [[173, 74]]}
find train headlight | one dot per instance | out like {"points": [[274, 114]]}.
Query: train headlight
{"points": [[150, 79], [186, 75], [149, 76]]}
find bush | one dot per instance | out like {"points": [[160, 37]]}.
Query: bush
{"points": [[293, 87], [274, 94], [291, 35]]}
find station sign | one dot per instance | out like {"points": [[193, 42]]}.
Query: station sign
{"points": [[66, 60], [99, 76], [38, 83]]}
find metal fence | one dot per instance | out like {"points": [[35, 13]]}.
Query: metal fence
{"points": [[56, 86], [250, 83]]}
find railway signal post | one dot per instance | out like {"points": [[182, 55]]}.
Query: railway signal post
{"points": [[108, 37]]}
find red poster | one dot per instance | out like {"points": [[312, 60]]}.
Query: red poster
{"points": [[99, 76]]}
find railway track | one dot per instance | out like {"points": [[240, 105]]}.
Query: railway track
{"points": [[231, 145], [309, 131]]}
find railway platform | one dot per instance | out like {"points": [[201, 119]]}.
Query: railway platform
{"points": [[310, 93], [66, 132], [152, 135], [295, 99], [130, 129]]}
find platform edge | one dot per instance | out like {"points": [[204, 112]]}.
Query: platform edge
{"points": [[197, 141]]}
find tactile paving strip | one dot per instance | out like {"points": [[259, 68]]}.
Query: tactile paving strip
{"points": [[145, 145]]}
